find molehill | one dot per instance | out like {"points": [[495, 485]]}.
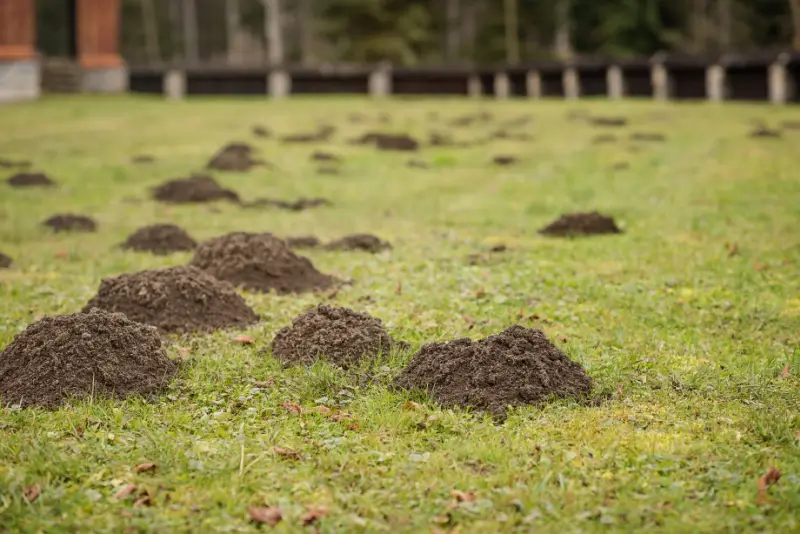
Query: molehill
{"points": [[160, 239]]}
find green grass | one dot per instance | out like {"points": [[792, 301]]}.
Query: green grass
{"points": [[693, 338]]}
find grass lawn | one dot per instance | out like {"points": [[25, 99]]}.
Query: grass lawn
{"points": [[685, 321]]}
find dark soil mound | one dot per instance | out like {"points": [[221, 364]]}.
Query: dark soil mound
{"points": [[385, 141], [261, 131], [505, 160], [365, 242], [259, 262], [417, 164], [516, 367], [338, 335], [608, 121], [300, 204], [196, 188], [581, 224], [648, 136], [604, 138], [765, 133], [30, 179], [329, 170], [509, 136], [160, 239], [96, 353], [5, 261], [11, 164], [142, 158], [325, 156], [175, 299], [237, 157], [790, 125], [440, 139], [303, 241], [321, 135], [71, 223]]}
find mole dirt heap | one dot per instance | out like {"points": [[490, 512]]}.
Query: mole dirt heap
{"points": [[302, 241], [591, 223], [516, 367], [259, 262], [160, 239], [365, 242], [5, 261], [96, 353], [337, 335], [236, 157], [30, 179], [175, 299], [196, 188], [67, 222]]}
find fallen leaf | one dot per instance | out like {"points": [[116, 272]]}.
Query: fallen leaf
{"points": [[293, 407], [268, 383], [469, 320], [619, 391], [125, 492], [31, 493], [785, 372], [324, 410], [61, 254], [339, 417], [463, 496], [145, 467], [733, 249], [353, 426], [480, 293], [332, 293], [411, 405], [286, 453], [143, 501], [772, 476], [313, 514], [244, 340], [184, 350], [271, 515], [398, 290], [758, 266]]}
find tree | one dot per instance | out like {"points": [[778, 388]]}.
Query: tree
{"points": [[233, 17], [563, 43], [795, 6], [512, 31], [453, 31], [306, 21], [190, 43], [274, 31]]}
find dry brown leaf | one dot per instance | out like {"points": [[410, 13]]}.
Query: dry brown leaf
{"points": [[480, 293], [411, 405], [286, 453], [125, 492], [398, 290], [785, 372], [733, 249], [268, 383], [271, 515], [61, 254], [244, 340], [463, 496], [758, 266], [353, 426], [145, 467], [619, 391], [469, 320], [184, 350], [143, 501], [331, 294], [293, 408], [31, 493], [772, 476], [313, 514], [324, 410], [339, 417]]}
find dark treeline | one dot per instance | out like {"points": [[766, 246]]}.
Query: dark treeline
{"points": [[433, 32]]}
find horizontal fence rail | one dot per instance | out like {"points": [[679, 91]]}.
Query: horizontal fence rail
{"points": [[773, 78]]}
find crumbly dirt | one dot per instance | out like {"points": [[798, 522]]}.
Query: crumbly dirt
{"points": [[440, 139], [608, 121], [235, 157], [303, 241], [505, 160], [67, 222], [329, 170], [97, 354], [590, 223], [764, 132], [790, 125], [519, 366], [338, 335], [651, 137], [195, 188], [300, 204], [604, 139], [30, 179], [384, 141], [364, 242], [160, 239], [417, 164], [142, 159], [323, 134], [14, 164], [5, 261], [178, 299], [325, 156], [261, 131], [259, 262]]}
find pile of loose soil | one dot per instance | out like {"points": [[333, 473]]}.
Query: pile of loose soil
{"points": [[440, 139], [504, 160], [384, 141], [364, 242], [67, 222], [321, 135], [237, 157], [303, 241], [300, 204], [142, 158], [608, 121], [509, 136], [604, 138], [80, 355], [417, 164], [581, 224], [5, 261], [764, 132], [338, 335], [790, 125], [259, 262], [519, 366], [196, 188], [328, 170], [468, 120], [11, 164], [648, 136], [175, 300], [325, 156], [160, 239], [261, 131], [30, 179]]}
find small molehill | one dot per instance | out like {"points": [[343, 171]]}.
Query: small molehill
{"points": [[325, 156], [338, 335], [12, 164], [196, 188], [440, 139], [505, 160], [516, 367], [363, 242], [763, 132], [160, 239], [261, 131], [142, 159], [608, 121], [67, 222], [591, 223], [384, 141], [259, 262], [5, 261], [236, 157], [300, 204], [303, 241], [96, 354], [175, 300], [604, 138], [323, 134], [30, 179], [651, 137]]}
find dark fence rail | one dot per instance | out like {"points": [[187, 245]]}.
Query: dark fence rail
{"points": [[759, 77]]}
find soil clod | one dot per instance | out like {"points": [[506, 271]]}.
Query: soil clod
{"points": [[339, 335], [67, 222], [237, 157], [384, 141], [30, 179], [5, 261], [325, 156], [764, 132], [175, 300], [590, 223], [608, 121], [160, 239], [300, 204], [195, 188], [142, 159], [261, 131], [519, 366], [363, 242], [504, 160], [259, 262], [323, 134], [649, 137], [96, 354], [303, 241]]}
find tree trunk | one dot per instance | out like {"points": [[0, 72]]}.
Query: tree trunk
{"points": [[190, 45], [563, 41], [453, 38], [233, 17], [469, 28], [174, 30], [512, 31], [274, 33], [724, 19], [150, 23], [699, 25], [795, 5], [306, 22]]}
